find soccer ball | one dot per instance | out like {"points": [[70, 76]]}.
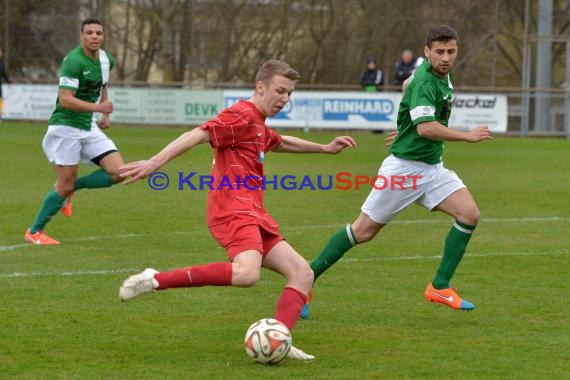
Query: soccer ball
{"points": [[267, 341]]}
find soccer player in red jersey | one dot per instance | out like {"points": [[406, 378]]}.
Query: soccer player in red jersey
{"points": [[236, 214]]}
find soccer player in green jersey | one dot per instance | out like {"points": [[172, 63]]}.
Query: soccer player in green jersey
{"points": [[416, 152], [74, 133]]}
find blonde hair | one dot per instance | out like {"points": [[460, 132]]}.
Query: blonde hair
{"points": [[275, 67]]}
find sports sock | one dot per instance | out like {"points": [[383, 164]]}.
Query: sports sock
{"points": [[216, 274], [94, 180], [289, 306], [337, 246], [455, 245], [52, 203]]}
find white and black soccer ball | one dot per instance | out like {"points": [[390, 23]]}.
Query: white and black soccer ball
{"points": [[267, 341]]}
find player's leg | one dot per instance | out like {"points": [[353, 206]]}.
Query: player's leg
{"points": [[462, 207], [52, 203], [283, 259], [244, 271], [363, 229], [243, 245], [102, 151], [382, 205], [62, 147], [97, 179]]}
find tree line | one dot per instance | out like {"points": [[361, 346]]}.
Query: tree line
{"points": [[217, 42]]}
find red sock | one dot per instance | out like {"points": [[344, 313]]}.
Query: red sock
{"points": [[289, 307], [216, 274]]}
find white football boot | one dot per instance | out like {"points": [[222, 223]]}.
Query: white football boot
{"points": [[138, 284], [296, 354]]}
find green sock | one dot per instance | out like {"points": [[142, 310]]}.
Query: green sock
{"points": [[95, 180], [52, 203], [337, 246], [455, 245]]}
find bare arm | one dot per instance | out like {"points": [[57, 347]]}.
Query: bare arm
{"points": [[142, 169], [292, 144], [68, 101], [435, 131], [105, 121]]}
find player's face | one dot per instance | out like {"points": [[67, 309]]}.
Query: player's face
{"points": [[275, 95], [92, 37], [442, 56]]}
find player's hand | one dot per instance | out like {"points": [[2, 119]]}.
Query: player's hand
{"points": [[479, 134], [339, 143], [390, 138], [105, 107], [133, 171], [105, 122]]}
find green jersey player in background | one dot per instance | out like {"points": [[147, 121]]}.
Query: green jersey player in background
{"points": [[74, 133], [416, 152]]}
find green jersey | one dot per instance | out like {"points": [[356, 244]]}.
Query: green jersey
{"points": [[87, 78], [427, 98]]}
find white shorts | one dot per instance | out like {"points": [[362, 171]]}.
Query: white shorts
{"points": [[65, 145], [425, 184]]}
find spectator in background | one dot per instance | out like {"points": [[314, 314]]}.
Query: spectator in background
{"points": [[404, 67], [372, 78], [3, 77]]}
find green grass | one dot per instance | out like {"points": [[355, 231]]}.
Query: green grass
{"points": [[61, 317]]}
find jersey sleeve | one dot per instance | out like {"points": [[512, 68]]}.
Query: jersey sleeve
{"points": [[69, 74], [274, 139], [111, 60], [226, 128], [422, 102]]}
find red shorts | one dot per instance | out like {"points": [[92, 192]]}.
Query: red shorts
{"points": [[237, 237]]}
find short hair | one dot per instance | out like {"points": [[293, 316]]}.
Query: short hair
{"points": [[441, 33], [89, 21], [275, 67]]}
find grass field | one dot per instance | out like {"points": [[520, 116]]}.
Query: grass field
{"points": [[61, 317]]}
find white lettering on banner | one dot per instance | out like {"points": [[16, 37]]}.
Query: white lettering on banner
{"points": [[358, 106]]}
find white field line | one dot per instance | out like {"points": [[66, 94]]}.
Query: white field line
{"points": [[293, 228], [344, 260]]}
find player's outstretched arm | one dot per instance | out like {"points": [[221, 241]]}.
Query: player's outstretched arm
{"points": [[142, 169], [435, 131], [292, 144]]}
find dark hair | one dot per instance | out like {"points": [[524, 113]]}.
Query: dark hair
{"points": [[88, 21], [441, 33], [274, 67]]}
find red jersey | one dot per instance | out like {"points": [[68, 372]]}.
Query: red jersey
{"points": [[240, 139]]}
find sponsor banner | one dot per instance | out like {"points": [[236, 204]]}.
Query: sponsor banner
{"points": [[164, 106], [306, 109], [375, 111], [472, 110], [28, 102], [341, 110], [132, 105]]}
